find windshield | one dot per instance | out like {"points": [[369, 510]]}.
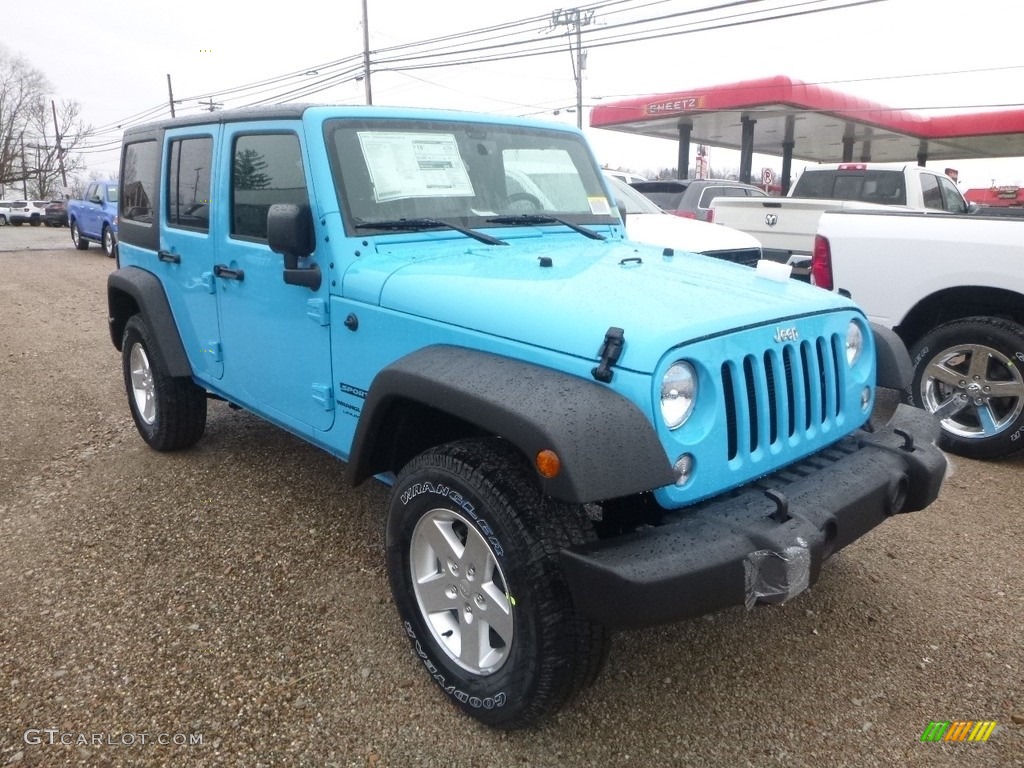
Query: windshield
{"points": [[632, 201], [460, 172]]}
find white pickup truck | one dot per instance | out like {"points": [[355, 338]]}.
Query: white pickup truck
{"points": [[952, 287], [785, 226]]}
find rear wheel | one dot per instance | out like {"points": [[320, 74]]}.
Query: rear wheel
{"points": [[969, 372], [169, 412], [108, 241], [76, 237], [473, 556]]}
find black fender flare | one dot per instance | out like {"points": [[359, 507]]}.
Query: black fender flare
{"points": [[607, 447], [131, 287], [894, 369]]}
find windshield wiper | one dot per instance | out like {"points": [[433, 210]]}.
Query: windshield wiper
{"points": [[534, 218], [414, 224]]}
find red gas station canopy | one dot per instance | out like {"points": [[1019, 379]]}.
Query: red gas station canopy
{"points": [[819, 122]]}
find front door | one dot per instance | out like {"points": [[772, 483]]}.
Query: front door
{"points": [[275, 337]]}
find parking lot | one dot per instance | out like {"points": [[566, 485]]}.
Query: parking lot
{"points": [[28, 238], [236, 592]]}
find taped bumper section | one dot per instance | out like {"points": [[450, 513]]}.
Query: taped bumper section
{"points": [[775, 577], [766, 542]]}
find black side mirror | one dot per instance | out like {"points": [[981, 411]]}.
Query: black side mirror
{"points": [[290, 233]]}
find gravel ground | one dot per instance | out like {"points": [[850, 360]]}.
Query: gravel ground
{"points": [[26, 237], [235, 593]]}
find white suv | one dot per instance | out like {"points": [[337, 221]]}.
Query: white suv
{"points": [[23, 211]]}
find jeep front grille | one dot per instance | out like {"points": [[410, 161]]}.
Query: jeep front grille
{"points": [[786, 394]]}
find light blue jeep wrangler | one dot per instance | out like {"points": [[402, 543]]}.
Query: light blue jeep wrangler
{"points": [[581, 433]]}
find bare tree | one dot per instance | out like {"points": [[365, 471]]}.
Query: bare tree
{"points": [[31, 147], [52, 153]]}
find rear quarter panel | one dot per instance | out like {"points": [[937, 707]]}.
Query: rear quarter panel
{"points": [[889, 262]]}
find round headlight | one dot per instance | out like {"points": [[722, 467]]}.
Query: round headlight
{"points": [[854, 342], [678, 392]]}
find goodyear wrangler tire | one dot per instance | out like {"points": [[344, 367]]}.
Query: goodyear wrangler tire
{"points": [[971, 371], [170, 413], [472, 553]]}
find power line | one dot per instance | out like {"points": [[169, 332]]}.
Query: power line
{"points": [[636, 36], [511, 40]]}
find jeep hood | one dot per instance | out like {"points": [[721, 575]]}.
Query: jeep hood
{"points": [[659, 301]]}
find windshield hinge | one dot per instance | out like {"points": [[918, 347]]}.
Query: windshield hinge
{"points": [[611, 348]]}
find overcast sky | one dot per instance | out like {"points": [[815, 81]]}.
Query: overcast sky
{"points": [[114, 60]]}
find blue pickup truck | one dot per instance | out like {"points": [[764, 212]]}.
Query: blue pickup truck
{"points": [[95, 217], [581, 433]]}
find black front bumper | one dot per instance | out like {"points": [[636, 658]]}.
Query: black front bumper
{"points": [[766, 541]]}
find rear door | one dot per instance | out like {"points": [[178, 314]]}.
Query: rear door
{"points": [[89, 213], [276, 337], [187, 254]]}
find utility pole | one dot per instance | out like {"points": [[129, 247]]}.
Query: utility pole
{"points": [[38, 172], [60, 149], [211, 105], [24, 171], [576, 20], [170, 93], [366, 56]]}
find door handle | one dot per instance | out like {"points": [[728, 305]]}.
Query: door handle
{"points": [[170, 258], [227, 273]]}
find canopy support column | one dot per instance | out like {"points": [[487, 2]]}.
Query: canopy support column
{"points": [[787, 155], [683, 160], [746, 148]]}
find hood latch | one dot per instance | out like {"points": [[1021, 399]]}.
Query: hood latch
{"points": [[610, 350]]}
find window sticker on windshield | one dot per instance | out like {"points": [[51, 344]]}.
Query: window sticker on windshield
{"points": [[414, 165], [599, 206]]}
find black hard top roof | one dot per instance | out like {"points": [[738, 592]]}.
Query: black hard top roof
{"points": [[268, 112]]}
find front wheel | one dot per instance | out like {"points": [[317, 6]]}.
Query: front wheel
{"points": [[473, 557], [76, 237], [108, 241], [969, 372], [169, 412]]}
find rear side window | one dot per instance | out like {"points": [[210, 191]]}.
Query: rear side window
{"points": [[710, 193], [188, 183], [139, 170], [266, 170]]}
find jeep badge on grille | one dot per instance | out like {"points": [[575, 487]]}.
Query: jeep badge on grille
{"points": [[786, 334]]}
